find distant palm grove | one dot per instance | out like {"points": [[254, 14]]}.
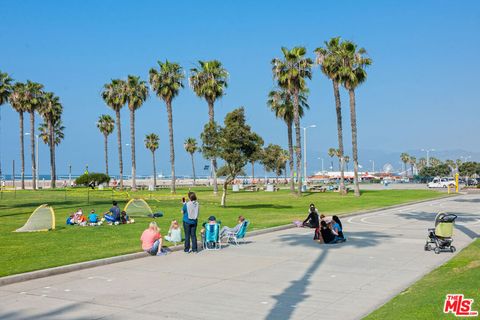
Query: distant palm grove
{"points": [[341, 61]]}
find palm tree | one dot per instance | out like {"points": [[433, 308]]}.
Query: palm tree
{"points": [[58, 133], [6, 87], [347, 160], [191, 147], [51, 110], [412, 160], [152, 143], [281, 104], [114, 96], [167, 82], [106, 125], [332, 152], [17, 100], [422, 163], [136, 92], [209, 81], [291, 72], [353, 74], [33, 100], [405, 158], [329, 59]]}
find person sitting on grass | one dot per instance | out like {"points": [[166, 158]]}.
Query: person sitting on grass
{"points": [[112, 216], [152, 240], [93, 218], [337, 229], [124, 218], [174, 232], [327, 235], [227, 230], [78, 217]]}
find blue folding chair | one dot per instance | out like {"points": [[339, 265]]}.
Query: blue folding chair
{"points": [[211, 238], [239, 236]]}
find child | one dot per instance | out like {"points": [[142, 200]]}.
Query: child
{"points": [[93, 218], [152, 240], [174, 233], [212, 221], [124, 217], [78, 216]]}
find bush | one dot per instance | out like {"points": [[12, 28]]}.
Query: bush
{"points": [[97, 178]]}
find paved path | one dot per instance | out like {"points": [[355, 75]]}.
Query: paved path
{"points": [[281, 275]]}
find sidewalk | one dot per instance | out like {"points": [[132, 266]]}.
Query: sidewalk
{"points": [[280, 275]]}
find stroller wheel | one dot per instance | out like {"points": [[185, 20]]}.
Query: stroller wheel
{"points": [[437, 250], [427, 247], [453, 249]]}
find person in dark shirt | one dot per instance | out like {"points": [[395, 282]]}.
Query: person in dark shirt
{"points": [[113, 215], [327, 235], [312, 219]]}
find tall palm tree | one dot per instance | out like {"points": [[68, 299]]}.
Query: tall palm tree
{"points": [[18, 101], [209, 81], [6, 87], [353, 74], [136, 93], [191, 147], [51, 110], [167, 82], [34, 96], [412, 160], [152, 143], [405, 158], [106, 125], [281, 104], [114, 96], [291, 73], [329, 60]]}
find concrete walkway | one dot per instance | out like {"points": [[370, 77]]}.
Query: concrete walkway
{"points": [[281, 275]]}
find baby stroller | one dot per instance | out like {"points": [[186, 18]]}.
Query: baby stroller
{"points": [[441, 236]]}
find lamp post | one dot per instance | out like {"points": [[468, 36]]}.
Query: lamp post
{"points": [[305, 151], [373, 165], [322, 163], [36, 156], [428, 155], [131, 169]]}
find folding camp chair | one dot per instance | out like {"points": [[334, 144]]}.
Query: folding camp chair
{"points": [[211, 237], [239, 236]]}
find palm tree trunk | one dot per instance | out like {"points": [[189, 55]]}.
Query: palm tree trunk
{"points": [[154, 171], [119, 142], [298, 147], [353, 120], [211, 117], [172, 150], [193, 169], [105, 149], [22, 151], [51, 146], [290, 156], [132, 145], [338, 108], [32, 150]]}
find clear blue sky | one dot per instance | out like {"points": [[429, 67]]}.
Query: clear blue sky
{"points": [[421, 84]]}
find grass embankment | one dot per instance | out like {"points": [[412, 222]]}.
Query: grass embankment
{"points": [[425, 299], [22, 252]]}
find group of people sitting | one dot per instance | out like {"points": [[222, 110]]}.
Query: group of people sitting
{"points": [[327, 229], [114, 216], [151, 238]]}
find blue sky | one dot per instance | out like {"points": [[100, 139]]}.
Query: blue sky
{"points": [[420, 91]]}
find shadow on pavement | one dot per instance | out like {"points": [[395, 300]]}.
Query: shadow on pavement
{"points": [[295, 293], [475, 200], [58, 313]]}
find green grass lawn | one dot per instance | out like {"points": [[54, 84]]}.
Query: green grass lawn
{"points": [[425, 299], [22, 252]]}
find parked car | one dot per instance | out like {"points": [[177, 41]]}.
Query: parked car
{"points": [[441, 182], [472, 182]]}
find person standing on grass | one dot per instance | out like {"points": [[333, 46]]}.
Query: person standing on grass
{"points": [[190, 212]]}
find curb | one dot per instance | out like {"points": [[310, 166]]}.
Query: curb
{"points": [[138, 255]]}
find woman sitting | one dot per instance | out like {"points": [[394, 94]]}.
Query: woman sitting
{"points": [[152, 240], [312, 219], [337, 229], [327, 234]]}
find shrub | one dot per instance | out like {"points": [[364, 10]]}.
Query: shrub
{"points": [[97, 178]]}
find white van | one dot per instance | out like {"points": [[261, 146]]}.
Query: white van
{"points": [[441, 182]]}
